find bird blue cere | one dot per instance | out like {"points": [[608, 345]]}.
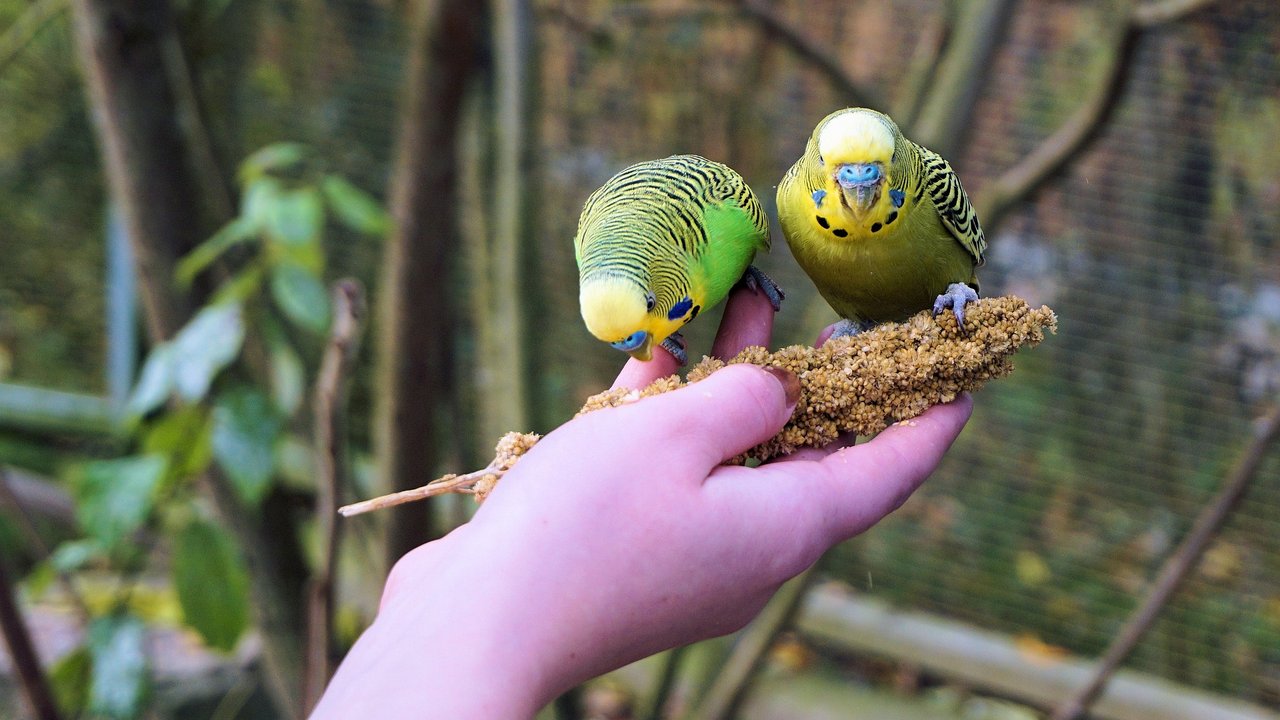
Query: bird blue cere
{"points": [[854, 174], [632, 341]]}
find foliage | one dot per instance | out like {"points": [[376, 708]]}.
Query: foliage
{"points": [[198, 407]]}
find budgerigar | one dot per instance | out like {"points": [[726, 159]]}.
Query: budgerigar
{"points": [[879, 223], [659, 243]]}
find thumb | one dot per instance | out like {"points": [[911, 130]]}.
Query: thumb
{"points": [[723, 415]]}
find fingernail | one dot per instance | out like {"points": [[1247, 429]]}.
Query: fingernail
{"points": [[790, 383]]}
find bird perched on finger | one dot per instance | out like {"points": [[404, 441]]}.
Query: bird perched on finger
{"points": [[661, 242], [879, 223]]}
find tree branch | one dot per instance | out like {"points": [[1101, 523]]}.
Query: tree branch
{"points": [[17, 636], [415, 333], [947, 109], [330, 409], [1178, 565], [922, 66], [777, 28], [1156, 12], [1070, 139]]}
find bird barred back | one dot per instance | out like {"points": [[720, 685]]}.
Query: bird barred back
{"points": [[638, 215]]}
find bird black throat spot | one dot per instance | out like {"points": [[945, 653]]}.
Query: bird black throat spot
{"points": [[823, 222]]}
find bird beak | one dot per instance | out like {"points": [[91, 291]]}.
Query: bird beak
{"points": [[644, 353], [859, 194]]}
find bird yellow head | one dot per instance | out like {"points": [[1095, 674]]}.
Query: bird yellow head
{"points": [[855, 148], [619, 311]]}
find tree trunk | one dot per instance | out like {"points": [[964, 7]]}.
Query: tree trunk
{"points": [[125, 49], [415, 337]]}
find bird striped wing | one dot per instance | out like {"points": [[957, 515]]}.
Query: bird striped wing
{"points": [[953, 204]]}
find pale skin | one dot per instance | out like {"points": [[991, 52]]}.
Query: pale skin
{"points": [[620, 535]]}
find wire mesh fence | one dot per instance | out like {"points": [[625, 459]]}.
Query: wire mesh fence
{"points": [[1157, 246]]}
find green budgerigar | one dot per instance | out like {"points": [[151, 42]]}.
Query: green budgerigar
{"points": [[659, 243], [879, 223]]}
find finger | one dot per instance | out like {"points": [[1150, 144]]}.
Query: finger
{"points": [[851, 489], [705, 423], [639, 374], [747, 321], [818, 453], [825, 335]]}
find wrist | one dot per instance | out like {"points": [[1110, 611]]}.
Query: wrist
{"points": [[444, 644]]}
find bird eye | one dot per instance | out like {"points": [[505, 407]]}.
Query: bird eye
{"points": [[649, 301], [820, 161]]}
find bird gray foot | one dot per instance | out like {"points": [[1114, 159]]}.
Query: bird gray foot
{"points": [[849, 328], [757, 281], [675, 344], [956, 297]]}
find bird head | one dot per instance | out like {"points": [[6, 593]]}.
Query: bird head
{"points": [[855, 148], [619, 311]]}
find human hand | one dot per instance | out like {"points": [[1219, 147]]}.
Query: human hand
{"points": [[621, 534]]}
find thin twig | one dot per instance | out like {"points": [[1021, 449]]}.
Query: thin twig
{"points": [[729, 688], [330, 407], [780, 30], [1178, 565], [441, 486], [35, 686]]}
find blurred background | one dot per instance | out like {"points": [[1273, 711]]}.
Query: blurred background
{"points": [[169, 482]]}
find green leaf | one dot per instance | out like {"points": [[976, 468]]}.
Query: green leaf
{"points": [[241, 286], [288, 378], [301, 297], [70, 678], [114, 497], [183, 435], [204, 346], [295, 217], [212, 586], [272, 158], [75, 554], [154, 384], [117, 644], [233, 233], [255, 204], [354, 207], [245, 429]]}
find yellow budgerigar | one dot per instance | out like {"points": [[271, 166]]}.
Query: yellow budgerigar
{"points": [[879, 223], [662, 241]]}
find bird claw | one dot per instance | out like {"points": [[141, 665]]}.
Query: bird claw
{"points": [[956, 297], [675, 344], [848, 328], [757, 281]]}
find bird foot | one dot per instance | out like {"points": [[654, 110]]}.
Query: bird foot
{"points": [[675, 344], [757, 281], [849, 328], [956, 297]]}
